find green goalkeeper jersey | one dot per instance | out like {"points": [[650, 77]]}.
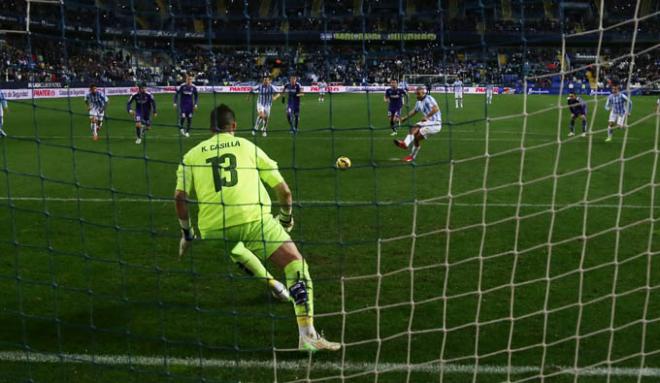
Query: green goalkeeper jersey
{"points": [[226, 174]]}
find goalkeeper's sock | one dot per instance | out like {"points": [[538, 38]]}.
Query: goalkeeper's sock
{"points": [[188, 124], [584, 125], [93, 127], [138, 132], [301, 288], [409, 139], [571, 126], [297, 119], [181, 122]]}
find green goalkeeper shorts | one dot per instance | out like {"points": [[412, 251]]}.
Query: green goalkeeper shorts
{"points": [[261, 237]]}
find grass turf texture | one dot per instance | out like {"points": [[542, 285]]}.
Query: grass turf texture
{"points": [[92, 268]]}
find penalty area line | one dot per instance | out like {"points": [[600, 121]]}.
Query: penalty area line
{"points": [[342, 203], [291, 365]]}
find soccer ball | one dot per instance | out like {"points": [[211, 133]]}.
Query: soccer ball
{"points": [[343, 162]]}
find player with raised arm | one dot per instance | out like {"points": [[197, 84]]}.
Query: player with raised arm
{"points": [[430, 124], [3, 109], [227, 174], [96, 103], [144, 105], [458, 93], [293, 90], [619, 106], [323, 87], [266, 94], [394, 96], [578, 109], [489, 93], [185, 99]]}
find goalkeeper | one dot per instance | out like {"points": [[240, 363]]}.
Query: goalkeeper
{"points": [[227, 175]]}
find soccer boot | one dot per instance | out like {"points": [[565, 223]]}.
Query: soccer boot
{"points": [[316, 343], [408, 159], [400, 144]]}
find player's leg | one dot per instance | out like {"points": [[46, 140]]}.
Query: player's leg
{"points": [[391, 117], [571, 126], [456, 101], [610, 125], [410, 137], [99, 121], [417, 145], [267, 238], [289, 118], [258, 121], [583, 117], [189, 116], [138, 129], [264, 124], [296, 118], [461, 100], [182, 119], [2, 131], [251, 265]]}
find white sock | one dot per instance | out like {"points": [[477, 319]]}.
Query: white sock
{"points": [[257, 123], [306, 330], [409, 139], [415, 150]]}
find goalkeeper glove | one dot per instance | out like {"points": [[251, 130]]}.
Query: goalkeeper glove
{"points": [[187, 236], [286, 220]]}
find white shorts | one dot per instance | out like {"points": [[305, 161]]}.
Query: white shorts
{"points": [[263, 109], [321, 93], [618, 119], [429, 128], [458, 95], [96, 113]]}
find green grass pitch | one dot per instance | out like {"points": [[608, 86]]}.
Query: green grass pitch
{"points": [[88, 244]]}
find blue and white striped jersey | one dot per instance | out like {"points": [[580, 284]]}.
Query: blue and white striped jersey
{"points": [[425, 106], [265, 94], [3, 103], [619, 103], [96, 100]]}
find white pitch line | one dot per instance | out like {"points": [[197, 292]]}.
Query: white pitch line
{"points": [[302, 365], [342, 203]]}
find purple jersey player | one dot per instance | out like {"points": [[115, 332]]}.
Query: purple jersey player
{"points": [[144, 104], [185, 99], [394, 97], [293, 91], [578, 109]]}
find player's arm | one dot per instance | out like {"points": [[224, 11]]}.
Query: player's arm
{"points": [[386, 97], [277, 95], [607, 103], [271, 176], [184, 183], [410, 114], [175, 102], [433, 111], [152, 100], [299, 92], [196, 96], [129, 105], [628, 103], [5, 105]]}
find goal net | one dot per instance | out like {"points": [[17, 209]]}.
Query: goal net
{"points": [[519, 245]]}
